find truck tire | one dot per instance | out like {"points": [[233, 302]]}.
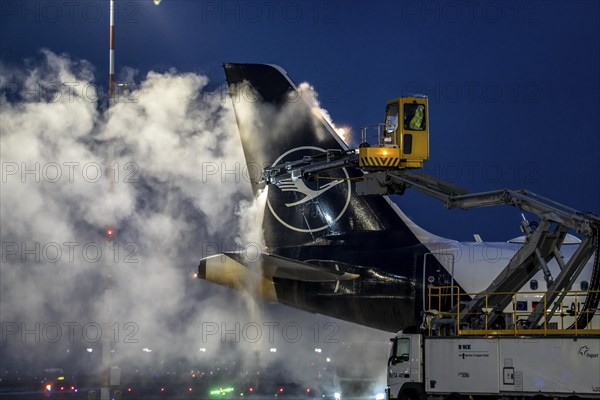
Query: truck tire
{"points": [[412, 391], [408, 395]]}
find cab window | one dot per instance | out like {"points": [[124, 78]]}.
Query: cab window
{"points": [[401, 350], [391, 118], [414, 117]]}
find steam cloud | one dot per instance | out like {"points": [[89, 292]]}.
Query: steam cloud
{"points": [[309, 93], [173, 188]]}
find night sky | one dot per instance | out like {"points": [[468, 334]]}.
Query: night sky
{"points": [[513, 86]]}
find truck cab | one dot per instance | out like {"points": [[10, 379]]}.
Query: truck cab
{"points": [[404, 368]]}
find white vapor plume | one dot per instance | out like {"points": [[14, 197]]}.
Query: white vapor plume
{"points": [[309, 93], [178, 180], [169, 200]]}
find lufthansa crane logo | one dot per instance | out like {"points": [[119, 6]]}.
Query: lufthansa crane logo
{"points": [[310, 206], [298, 185]]}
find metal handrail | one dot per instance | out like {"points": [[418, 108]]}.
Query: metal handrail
{"points": [[438, 294]]}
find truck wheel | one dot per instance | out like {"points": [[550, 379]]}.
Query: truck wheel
{"points": [[409, 394], [402, 396]]}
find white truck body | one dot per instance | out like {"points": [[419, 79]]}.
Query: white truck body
{"points": [[496, 366]]}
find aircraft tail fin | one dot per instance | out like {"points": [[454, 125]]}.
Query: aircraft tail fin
{"points": [[277, 125]]}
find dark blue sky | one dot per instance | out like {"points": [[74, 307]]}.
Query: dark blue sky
{"points": [[514, 87]]}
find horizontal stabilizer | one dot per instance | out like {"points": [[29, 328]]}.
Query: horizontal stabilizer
{"points": [[269, 266], [285, 268]]}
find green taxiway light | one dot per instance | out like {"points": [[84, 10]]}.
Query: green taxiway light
{"points": [[221, 391]]}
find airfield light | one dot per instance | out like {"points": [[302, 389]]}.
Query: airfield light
{"points": [[281, 390], [318, 350], [61, 378], [48, 387], [157, 2], [221, 391]]}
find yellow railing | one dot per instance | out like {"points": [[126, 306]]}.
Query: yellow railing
{"points": [[441, 297]]}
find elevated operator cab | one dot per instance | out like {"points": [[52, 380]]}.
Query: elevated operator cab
{"points": [[404, 142]]}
